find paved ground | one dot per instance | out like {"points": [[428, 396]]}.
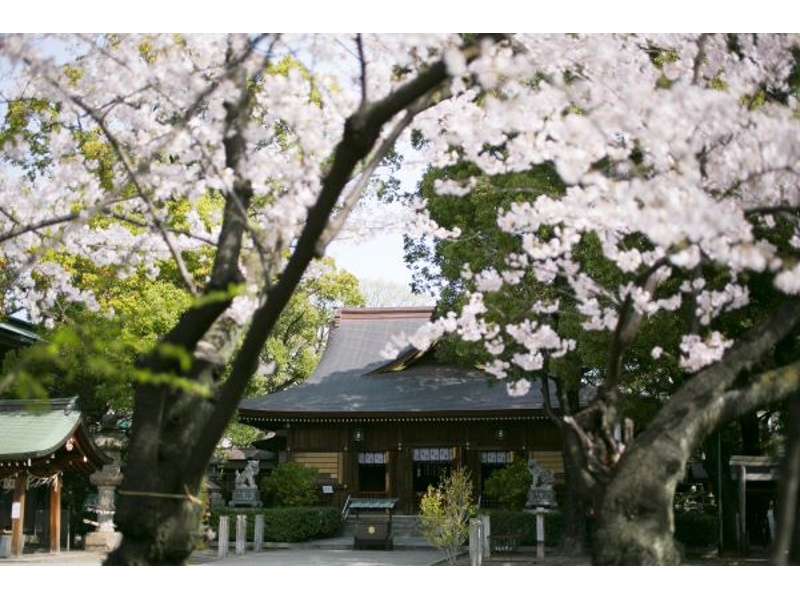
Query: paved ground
{"points": [[334, 552], [339, 552]]}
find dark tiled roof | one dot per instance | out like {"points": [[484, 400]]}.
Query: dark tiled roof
{"points": [[345, 383]]}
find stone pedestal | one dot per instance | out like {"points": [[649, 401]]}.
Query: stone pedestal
{"points": [[246, 497]]}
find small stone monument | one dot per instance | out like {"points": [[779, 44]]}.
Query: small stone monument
{"points": [[541, 493], [105, 537], [245, 491]]}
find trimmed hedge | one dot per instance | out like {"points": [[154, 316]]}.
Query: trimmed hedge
{"points": [[692, 529], [696, 529], [291, 524], [514, 521]]}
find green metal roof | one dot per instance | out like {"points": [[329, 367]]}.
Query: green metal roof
{"points": [[15, 334], [29, 433]]}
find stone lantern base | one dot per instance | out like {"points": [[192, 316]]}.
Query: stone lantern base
{"points": [[102, 541]]}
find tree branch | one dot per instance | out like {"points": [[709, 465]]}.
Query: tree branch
{"points": [[750, 348], [361, 131], [363, 63]]}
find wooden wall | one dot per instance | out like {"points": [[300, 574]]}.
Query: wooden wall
{"points": [[333, 449]]}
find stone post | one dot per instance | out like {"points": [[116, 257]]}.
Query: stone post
{"points": [[487, 533], [241, 534], [475, 542], [258, 534], [540, 533], [223, 537]]}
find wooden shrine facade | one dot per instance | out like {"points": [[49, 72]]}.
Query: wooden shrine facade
{"points": [[390, 428], [40, 441]]}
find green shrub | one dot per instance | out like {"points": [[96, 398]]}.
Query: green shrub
{"points": [[504, 522], [292, 524], [445, 512], [696, 528], [291, 484], [509, 486]]}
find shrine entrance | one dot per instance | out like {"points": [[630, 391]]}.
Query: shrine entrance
{"points": [[36, 448]]}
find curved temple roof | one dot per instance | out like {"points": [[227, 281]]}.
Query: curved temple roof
{"points": [[45, 436], [352, 380]]}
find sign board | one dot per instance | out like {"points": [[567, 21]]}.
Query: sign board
{"points": [[16, 510]]}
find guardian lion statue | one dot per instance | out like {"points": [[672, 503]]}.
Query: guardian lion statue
{"points": [[246, 479]]}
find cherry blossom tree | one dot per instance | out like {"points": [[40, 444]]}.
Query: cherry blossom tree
{"points": [[679, 159], [269, 139], [678, 156]]}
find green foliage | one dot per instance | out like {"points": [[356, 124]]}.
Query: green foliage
{"points": [[295, 346], [696, 528], [517, 522], [509, 486], [445, 512], [93, 354], [296, 524], [291, 484], [241, 435]]}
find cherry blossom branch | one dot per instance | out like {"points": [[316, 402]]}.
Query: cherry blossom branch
{"points": [[141, 192], [363, 63], [337, 222], [361, 131]]}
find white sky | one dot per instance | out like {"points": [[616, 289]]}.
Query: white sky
{"points": [[379, 259]]}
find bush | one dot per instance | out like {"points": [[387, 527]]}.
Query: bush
{"points": [[445, 512], [504, 522], [294, 524], [696, 528], [291, 484], [509, 486]]}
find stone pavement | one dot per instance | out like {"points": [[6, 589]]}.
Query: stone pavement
{"points": [[332, 552]]}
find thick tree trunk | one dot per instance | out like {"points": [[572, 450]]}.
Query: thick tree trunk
{"points": [[158, 512], [635, 522], [573, 540]]}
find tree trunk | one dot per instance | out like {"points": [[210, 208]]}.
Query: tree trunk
{"points": [[158, 512], [573, 540], [635, 523]]}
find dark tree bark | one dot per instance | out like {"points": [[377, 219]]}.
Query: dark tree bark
{"points": [[573, 540]]}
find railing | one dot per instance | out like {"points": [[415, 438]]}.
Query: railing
{"points": [[346, 509]]}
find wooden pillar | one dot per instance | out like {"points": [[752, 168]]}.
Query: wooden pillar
{"points": [[18, 513], [55, 515]]}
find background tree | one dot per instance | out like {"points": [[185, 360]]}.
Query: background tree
{"points": [[381, 293]]}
